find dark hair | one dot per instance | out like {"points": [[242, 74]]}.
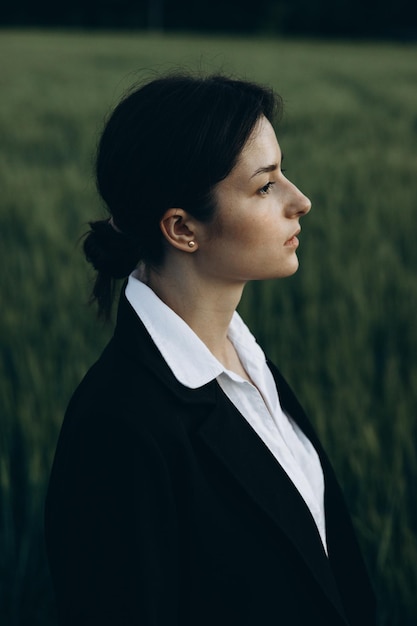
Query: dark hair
{"points": [[166, 145]]}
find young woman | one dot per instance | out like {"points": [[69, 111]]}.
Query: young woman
{"points": [[189, 488]]}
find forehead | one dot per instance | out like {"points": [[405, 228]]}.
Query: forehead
{"points": [[262, 140], [261, 149]]}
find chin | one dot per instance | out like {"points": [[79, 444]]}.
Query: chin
{"points": [[295, 268], [289, 270]]}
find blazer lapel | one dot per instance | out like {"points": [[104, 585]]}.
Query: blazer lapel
{"points": [[242, 452], [293, 408]]}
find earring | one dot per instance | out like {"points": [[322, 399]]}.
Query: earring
{"points": [[191, 244]]}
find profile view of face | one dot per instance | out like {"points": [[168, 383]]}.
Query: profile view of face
{"points": [[254, 233]]}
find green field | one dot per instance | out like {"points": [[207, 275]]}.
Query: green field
{"points": [[343, 330]]}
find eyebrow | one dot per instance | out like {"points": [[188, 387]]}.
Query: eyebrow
{"points": [[267, 168]]}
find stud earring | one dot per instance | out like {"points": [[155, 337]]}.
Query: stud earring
{"points": [[191, 244]]}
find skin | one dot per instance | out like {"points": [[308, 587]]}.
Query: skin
{"points": [[252, 237]]}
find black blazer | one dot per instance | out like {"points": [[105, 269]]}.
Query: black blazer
{"points": [[166, 509]]}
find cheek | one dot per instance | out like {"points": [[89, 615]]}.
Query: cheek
{"points": [[256, 231], [242, 222], [243, 226]]}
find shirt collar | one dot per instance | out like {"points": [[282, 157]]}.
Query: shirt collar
{"points": [[189, 359]]}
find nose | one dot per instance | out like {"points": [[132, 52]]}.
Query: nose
{"points": [[298, 204]]}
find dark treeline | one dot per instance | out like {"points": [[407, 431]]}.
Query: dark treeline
{"points": [[348, 18]]}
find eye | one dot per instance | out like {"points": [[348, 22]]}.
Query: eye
{"points": [[266, 188]]}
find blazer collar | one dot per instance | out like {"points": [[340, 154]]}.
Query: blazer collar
{"points": [[240, 450], [132, 337], [190, 360]]}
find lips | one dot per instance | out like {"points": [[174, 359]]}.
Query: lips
{"points": [[293, 241]]}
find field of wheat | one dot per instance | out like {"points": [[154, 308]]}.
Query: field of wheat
{"points": [[343, 329]]}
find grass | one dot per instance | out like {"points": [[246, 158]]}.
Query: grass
{"points": [[343, 329]]}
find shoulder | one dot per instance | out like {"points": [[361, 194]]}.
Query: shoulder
{"points": [[130, 397], [116, 395]]}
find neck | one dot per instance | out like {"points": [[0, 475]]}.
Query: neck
{"points": [[206, 305]]}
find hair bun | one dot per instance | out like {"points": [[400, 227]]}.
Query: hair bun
{"points": [[111, 253]]}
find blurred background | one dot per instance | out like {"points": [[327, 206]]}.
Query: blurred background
{"points": [[351, 18], [343, 329]]}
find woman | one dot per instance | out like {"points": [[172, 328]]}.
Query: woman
{"points": [[188, 486]]}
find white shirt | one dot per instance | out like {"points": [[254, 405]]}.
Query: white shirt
{"points": [[193, 365]]}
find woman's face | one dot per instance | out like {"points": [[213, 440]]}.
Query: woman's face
{"points": [[254, 233]]}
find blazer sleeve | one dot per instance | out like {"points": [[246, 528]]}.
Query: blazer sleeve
{"points": [[111, 529]]}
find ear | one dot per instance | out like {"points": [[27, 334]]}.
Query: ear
{"points": [[177, 226]]}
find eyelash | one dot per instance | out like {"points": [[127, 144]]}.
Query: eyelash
{"points": [[266, 188]]}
